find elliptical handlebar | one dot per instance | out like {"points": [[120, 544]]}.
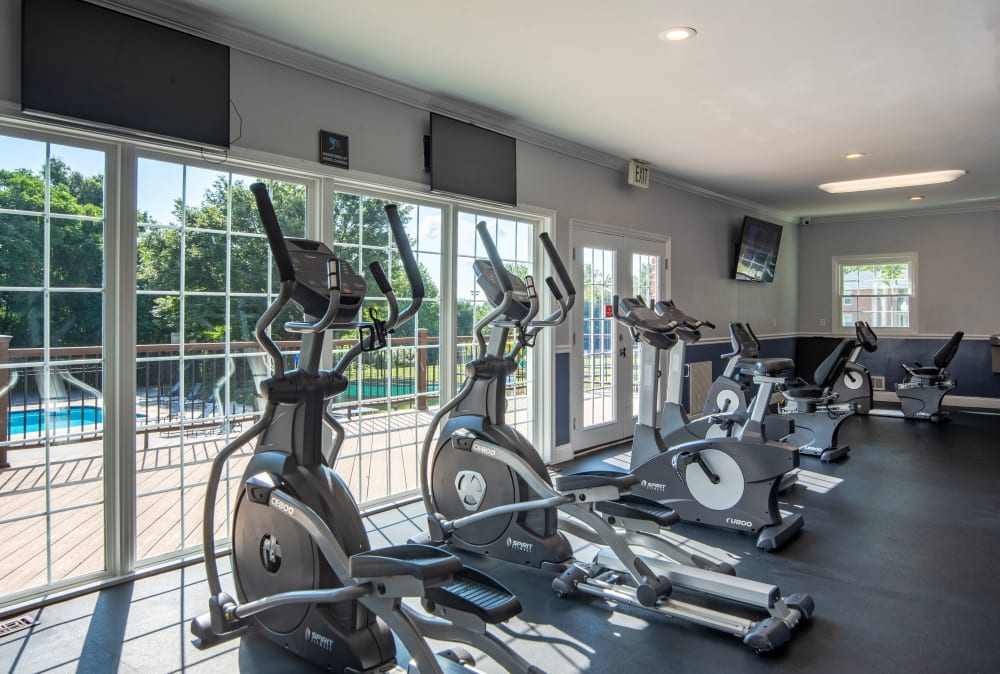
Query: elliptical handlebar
{"points": [[268, 218], [494, 255], [378, 273], [286, 273], [557, 264], [410, 266], [565, 297]]}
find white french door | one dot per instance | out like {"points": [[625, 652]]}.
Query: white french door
{"points": [[604, 375]]}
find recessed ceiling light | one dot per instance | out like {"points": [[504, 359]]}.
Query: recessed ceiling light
{"points": [[916, 197], [678, 33], [854, 155], [889, 182]]}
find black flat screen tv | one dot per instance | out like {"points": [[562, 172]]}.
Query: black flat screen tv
{"points": [[757, 250], [472, 161], [95, 66]]}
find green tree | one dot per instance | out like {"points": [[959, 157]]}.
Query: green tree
{"points": [[206, 241], [76, 252]]}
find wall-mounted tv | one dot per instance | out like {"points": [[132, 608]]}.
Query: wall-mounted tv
{"points": [[472, 161], [757, 250], [95, 66]]}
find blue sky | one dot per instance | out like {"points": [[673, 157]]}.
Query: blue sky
{"points": [[159, 182]]}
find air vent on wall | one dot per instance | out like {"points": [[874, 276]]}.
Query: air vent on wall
{"points": [[699, 383], [878, 382]]}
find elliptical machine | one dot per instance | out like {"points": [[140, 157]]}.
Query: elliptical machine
{"points": [[728, 482], [305, 575], [487, 491], [921, 392]]}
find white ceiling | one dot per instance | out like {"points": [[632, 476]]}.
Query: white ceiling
{"points": [[760, 106]]}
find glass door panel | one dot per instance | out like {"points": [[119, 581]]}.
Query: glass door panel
{"points": [[604, 376]]}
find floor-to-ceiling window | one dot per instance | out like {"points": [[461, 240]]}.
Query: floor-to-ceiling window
{"points": [[203, 275], [515, 241], [52, 302], [394, 391]]}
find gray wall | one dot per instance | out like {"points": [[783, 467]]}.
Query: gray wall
{"points": [[283, 109], [957, 274]]}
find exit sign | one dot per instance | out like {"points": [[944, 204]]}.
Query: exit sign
{"points": [[638, 173]]}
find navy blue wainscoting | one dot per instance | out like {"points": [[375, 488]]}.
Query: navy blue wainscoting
{"points": [[971, 366], [562, 411]]}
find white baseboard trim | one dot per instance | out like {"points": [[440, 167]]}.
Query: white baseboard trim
{"points": [[975, 402], [561, 453]]}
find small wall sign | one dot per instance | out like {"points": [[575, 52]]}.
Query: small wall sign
{"points": [[638, 173], [333, 149]]}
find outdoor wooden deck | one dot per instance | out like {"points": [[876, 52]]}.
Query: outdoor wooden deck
{"points": [[379, 459]]}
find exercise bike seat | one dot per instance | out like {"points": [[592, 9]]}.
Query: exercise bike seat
{"points": [[475, 592], [942, 358], [638, 508], [765, 367], [422, 562], [923, 372], [590, 480], [804, 392]]}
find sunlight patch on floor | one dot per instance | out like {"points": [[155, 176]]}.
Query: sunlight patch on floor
{"points": [[818, 482]]}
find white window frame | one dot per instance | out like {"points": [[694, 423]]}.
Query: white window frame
{"points": [[840, 261]]}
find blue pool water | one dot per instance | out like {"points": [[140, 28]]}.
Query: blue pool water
{"points": [[29, 422]]}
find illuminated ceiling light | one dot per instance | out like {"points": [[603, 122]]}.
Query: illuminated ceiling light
{"points": [[854, 155], [916, 197], [678, 34], [889, 182]]}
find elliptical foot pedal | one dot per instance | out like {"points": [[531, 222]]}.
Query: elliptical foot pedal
{"points": [[776, 535], [474, 592], [419, 561], [767, 635], [593, 479], [638, 508]]}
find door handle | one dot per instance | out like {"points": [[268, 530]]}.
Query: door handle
{"points": [[621, 352]]}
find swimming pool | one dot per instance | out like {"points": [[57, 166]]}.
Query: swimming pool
{"points": [[33, 422]]}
